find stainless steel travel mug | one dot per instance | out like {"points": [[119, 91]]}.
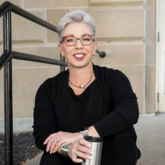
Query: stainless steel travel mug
{"points": [[96, 147]]}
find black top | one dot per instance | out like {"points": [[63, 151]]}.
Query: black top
{"points": [[77, 106], [113, 111], [84, 110]]}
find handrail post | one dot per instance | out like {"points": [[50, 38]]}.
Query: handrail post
{"points": [[62, 68], [8, 101]]}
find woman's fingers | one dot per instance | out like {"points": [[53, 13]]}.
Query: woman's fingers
{"points": [[85, 143], [58, 144], [76, 160], [53, 145], [53, 135], [83, 155], [60, 138], [52, 142], [49, 137], [80, 150], [85, 150]]}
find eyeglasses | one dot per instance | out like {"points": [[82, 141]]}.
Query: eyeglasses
{"points": [[71, 40]]}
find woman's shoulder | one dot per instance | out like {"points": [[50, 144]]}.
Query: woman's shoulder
{"points": [[108, 73], [51, 82]]}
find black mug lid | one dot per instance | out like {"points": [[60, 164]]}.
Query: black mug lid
{"points": [[93, 139]]}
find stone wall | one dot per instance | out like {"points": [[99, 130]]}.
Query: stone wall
{"points": [[120, 32]]}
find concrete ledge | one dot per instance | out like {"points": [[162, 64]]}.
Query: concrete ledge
{"points": [[34, 161], [25, 31], [115, 3], [19, 124], [31, 4]]}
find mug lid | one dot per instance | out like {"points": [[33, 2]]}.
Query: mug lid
{"points": [[93, 139]]}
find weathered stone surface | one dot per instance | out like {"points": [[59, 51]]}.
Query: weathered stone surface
{"points": [[43, 51], [115, 3], [135, 74], [150, 57], [30, 4], [19, 124], [149, 89], [118, 25], [120, 54], [15, 2], [1, 94], [53, 16], [26, 82], [25, 31], [49, 52]]}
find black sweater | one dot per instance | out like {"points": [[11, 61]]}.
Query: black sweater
{"points": [[51, 103]]}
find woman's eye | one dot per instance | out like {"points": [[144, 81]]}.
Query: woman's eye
{"points": [[69, 40], [86, 39]]}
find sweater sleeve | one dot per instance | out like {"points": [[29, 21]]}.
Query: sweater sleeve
{"points": [[125, 112], [44, 118]]}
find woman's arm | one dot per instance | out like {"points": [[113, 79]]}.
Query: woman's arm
{"points": [[44, 118], [125, 112], [92, 132]]}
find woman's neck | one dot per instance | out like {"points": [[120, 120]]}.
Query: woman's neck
{"points": [[80, 75]]}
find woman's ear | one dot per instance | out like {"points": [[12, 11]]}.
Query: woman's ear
{"points": [[60, 49], [95, 47]]}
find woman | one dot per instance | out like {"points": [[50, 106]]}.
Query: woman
{"points": [[85, 96]]}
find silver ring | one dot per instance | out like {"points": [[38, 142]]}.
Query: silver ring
{"points": [[58, 142], [77, 153], [55, 140]]}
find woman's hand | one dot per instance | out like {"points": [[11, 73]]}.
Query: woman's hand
{"points": [[80, 150], [55, 140]]}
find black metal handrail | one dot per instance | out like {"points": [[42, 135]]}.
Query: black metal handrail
{"points": [[6, 61]]}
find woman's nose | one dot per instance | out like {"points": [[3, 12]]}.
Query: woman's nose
{"points": [[78, 44]]}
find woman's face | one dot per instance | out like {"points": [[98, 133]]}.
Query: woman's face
{"points": [[78, 55]]}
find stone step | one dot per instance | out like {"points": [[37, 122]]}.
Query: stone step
{"points": [[25, 31], [15, 2], [31, 4], [115, 3]]}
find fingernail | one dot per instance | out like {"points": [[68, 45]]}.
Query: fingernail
{"points": [[90, 157], [80, 161], [91, 152], [44, 143], [89, 145], [50, 152]]}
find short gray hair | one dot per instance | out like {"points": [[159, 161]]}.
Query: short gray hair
{"points": [[75, 16]]}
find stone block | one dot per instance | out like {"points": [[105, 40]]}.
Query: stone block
{"points": [[30, 4], [19, 125], [118, 25], [53, 16], [25, 31], [150, 37], [115, 3], [2, 125], [36, 160], [1, 94], [149, 89], [120, 54], [135, 74], [26, 82], [15, 2], [43, 51]]}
